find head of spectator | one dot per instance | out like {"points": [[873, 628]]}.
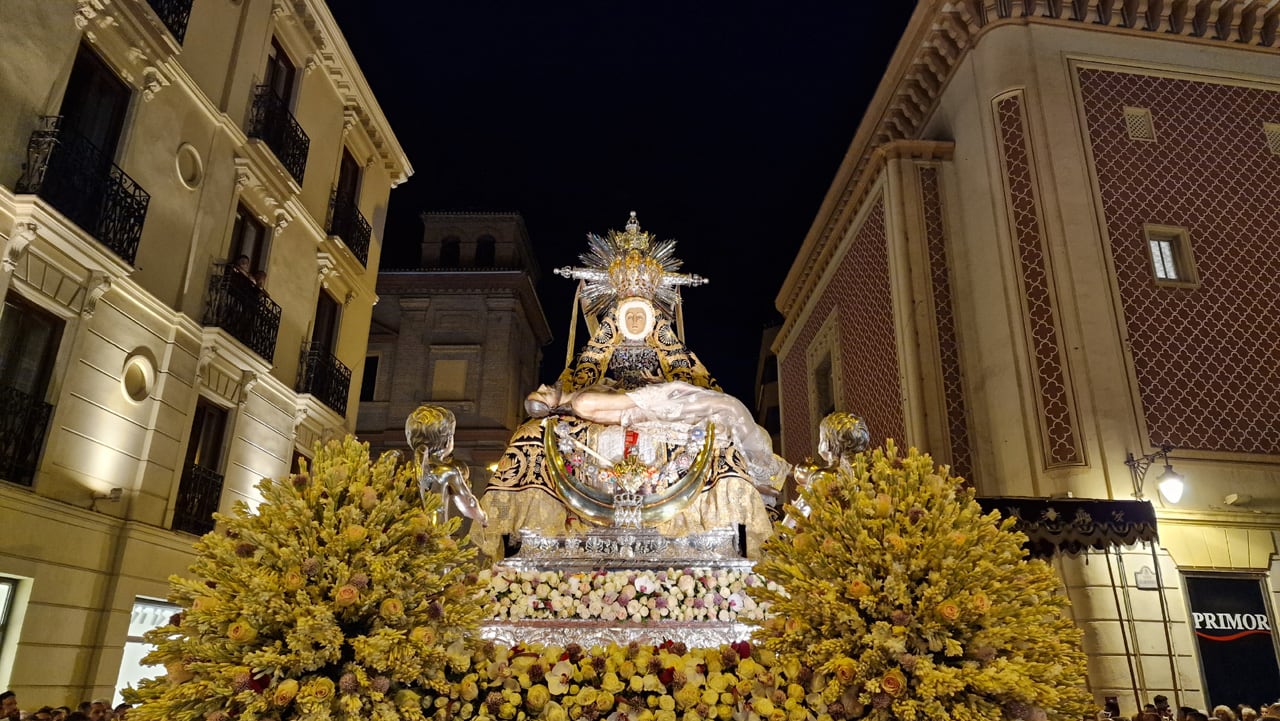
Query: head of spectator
{"points": [[121, 711], [1224, 713], [99, 710], [44, 713], [260, 278], [1247, 713], [242, 264], [1184, 713], [60, 713], [9, 706]]}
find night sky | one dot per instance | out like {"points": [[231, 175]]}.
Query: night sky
{"points": [[721, 123]]}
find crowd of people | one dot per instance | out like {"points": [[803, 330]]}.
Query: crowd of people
{"points": [[1160, 710], [95, 710]]}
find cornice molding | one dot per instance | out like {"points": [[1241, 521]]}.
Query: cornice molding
{"points": [[845, 212], [939, 35], [331, 52]]}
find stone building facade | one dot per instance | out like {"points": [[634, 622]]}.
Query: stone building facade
{"points": [[1052, 245], [465, 330], [149, 380]]}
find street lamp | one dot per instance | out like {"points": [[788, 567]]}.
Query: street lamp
{"points": [[1169, 483]]}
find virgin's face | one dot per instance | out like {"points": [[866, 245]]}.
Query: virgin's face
{"points": [[634, 320]]}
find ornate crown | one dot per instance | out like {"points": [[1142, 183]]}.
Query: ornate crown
{"points": [[627, 264]]}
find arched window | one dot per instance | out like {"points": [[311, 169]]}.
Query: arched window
{"points": [[486, 251], [450, 252]]}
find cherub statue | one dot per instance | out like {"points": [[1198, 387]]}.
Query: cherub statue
{"points": [[429, 432], [840, 437]]}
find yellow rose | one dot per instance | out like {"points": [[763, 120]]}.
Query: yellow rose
{"points": [[727, 698], [797, 714], [893, 683], [356, 534], [392, 608], [792, 625], [980, 602], [469, 689], [507, 710], [895, 542], [611, 683], [537, 697], [555, 712], [748, 668], [644, 715], [949, 610], [708, 697], [317, 690], [242, 631], [285, 691], [664, 715], [763, 706], [845, 670], [745, 686], [778, 715], [419, 522], [604, 701], [724, 711], [587, 697], [687, 695], [857, 588], [205, 603], [636, 683], [795, 691], [423, 634], [666, 703], [346, 595], [627, 669]]}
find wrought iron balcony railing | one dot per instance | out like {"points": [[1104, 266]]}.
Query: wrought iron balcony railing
{"points": [[174, 14], [237, 305], [23, 421], [324, 377], [199, 493], [272, 123], [346, 222], [78, 179]]}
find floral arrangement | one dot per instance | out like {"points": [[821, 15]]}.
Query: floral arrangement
{"points": [[340, 597], [637, 682], [915, 604], [687, 594]]}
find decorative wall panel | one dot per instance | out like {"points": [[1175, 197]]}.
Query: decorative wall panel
{"points": [[945, 322], [1059, 435], [1206, 358], [860, 292]]}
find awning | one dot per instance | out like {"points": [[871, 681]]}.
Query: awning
{"points": [[1072, 525]]}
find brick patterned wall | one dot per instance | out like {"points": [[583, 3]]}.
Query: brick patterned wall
{"points": [[860, 293], [945, 323], [1207, 359], [1059, 434]]}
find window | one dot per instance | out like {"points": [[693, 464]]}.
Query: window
{"points": [[324, 335], [347, 193], [823, 392], [8, 592], [208, 431], [29, 339], [280, 73], [486, 251], [450, 252], [95, 103], [369, 381], [449, 380], [147, 614], [250, 238], [1169, 249]]}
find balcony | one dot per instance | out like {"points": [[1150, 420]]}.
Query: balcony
{"points": [[272, 123], [324, 377], [23, 421], [346, 222], [78, 179], [245, 311], [199, 493], [174, 14]]}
